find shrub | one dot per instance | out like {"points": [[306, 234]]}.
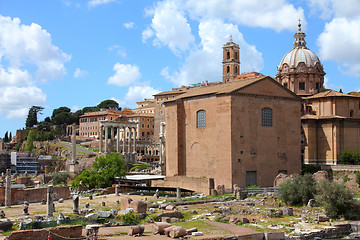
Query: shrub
{"points": [[346, 157], [60, 177], [336, 199], [358, 178], [298, 191], [308, 168], [131, 218]]}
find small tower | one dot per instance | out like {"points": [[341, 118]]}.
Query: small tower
{"points": [[231, 62]]}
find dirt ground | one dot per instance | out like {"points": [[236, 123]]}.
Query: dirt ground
{"points": [[115, 232]]}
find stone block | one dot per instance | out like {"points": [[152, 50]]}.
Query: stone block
{"points": [[274, 236], [177, 232], [138, 206], [125, 202]]}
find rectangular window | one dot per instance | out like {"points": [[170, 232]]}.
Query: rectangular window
{"points": [[301, 86], [201, 119]]}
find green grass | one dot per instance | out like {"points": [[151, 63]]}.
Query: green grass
{"points": [[202, 227]]}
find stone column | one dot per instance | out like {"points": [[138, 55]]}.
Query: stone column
{"points": [[134, 144], [101, 138], [118, 140], [50, 201], [73, 143], [76, 204], [129, 141], [8, 188], [117, 190], [178, 193], [124, 137], [112, 139], [106, 138]]}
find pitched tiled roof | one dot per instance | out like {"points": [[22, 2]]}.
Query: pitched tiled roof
{"points": [[219, 88], [330, 93]]}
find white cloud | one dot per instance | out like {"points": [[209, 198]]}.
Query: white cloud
{"points": [[30, 44], [119, 50], [138, 93], [94, 3], [27, 56], [171, 27], [277, 14], [14, 76], [16, 101], [345, 49], [146, 34], [213, 34], [129, 25], [75, 108], [125, 74], [336, 8], [80, 73]]}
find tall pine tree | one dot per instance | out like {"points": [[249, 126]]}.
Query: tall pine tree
{"points": [[31, 119], [6, 137]]}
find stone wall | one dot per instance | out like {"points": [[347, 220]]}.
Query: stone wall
{"points": [[199, 185], [18, 196], [42, 234]]}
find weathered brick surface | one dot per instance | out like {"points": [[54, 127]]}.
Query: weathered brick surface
{"points": [[31, 195], [42, 234], [234, 140]]}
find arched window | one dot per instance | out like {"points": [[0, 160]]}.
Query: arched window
{"points": [[228, 55], [266, 117], [237, 70], [228, 69], [201, 119]]}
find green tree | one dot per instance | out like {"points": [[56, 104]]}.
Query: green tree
{"points": [[60, 178], [347, 157], [298, 191], [29, 146], [31, 119], [108, 104], [103, 173], [6, 137], [60, 110], [10, 137], [336, 199]]}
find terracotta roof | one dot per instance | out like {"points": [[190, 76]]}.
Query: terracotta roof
{"points": [[176, 91], [330, 93], [219, 88], [309, 116], [140, 115]]}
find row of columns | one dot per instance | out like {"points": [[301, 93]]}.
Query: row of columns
{"points": [[120, 131]]}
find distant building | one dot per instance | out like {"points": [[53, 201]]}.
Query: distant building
{"points": [[89, 122], [30, 163]]}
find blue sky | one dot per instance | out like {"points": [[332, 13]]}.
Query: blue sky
{"points": [[77, 53]]}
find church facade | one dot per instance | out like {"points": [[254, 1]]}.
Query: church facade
{"points": [[330, 120]]}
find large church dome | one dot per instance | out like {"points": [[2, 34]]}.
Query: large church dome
{"points": [[300, 54], [300, 70]]}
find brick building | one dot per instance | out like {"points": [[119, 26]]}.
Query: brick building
{"points": [[232, 132], [330, 120], [89, 122]]}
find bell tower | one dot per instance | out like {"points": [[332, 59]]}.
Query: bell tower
{"points": [[231, 62]]}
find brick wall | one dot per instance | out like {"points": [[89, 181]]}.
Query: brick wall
{"points": [[199, 185], [42, 234], [18, 196]]}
